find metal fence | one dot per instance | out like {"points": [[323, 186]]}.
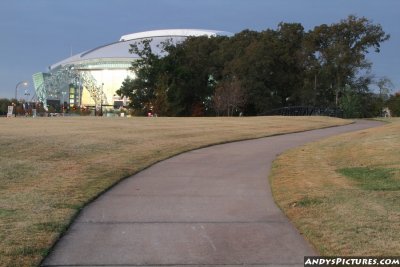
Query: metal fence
{"points": [[306, 111]]}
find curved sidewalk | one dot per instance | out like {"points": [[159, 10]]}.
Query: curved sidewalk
{"points": [[208, 207]]}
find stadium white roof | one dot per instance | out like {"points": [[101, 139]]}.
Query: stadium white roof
{"points": [[120, 50], [172, 32]]}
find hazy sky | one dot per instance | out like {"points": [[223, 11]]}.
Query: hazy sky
{"points": [[37, 33]]}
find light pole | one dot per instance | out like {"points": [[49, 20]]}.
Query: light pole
{"points": [[26, 104], [24, 83], [63, 103], [101, 100]]}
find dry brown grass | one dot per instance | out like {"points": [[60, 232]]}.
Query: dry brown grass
{"points": [[51, 167], [338, 214]]}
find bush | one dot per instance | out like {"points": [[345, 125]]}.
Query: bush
{"points": [[4, 103]]}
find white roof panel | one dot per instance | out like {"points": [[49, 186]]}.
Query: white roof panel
{"points": [[172, 32]]}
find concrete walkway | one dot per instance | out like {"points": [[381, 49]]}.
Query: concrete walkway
{"points": [[208, 207]]}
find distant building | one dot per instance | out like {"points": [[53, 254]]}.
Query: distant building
{"points": [[91, 78]]}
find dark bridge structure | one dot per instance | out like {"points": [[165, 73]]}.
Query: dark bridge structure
{"points": [[306, 111]]}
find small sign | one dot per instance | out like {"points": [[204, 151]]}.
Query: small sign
{"points": [[10, 111]]}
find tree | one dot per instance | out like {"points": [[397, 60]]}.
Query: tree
{"points": [[228, 97], [4, 103], [385, 86], [393, 104], [289, 63], [142, 90], [350, 104], [254, 68], [191, 68], [272, 67], [341, 50]]}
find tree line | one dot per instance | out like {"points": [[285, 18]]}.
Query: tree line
{"points": [[254, 72]]}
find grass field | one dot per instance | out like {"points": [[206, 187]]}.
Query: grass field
{"points": [[343, 193], [51, 167]]}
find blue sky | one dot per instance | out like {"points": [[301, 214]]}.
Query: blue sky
{"points": [[37, 33]]}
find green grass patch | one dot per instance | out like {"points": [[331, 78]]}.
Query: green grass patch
{"points": [[30, 251], [307, 201], [67, 206], [6, 212], [372, 178], [54, 227]]}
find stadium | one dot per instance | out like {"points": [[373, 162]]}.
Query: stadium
{"points": [[91, 78]]}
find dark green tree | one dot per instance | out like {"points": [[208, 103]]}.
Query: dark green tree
{"points": [[142, 90], [191, 68], [272, 67], [4, 103], [341, 50]]}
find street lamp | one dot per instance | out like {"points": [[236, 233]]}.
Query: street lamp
{"points": [[24, 83], [101, 100]]}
